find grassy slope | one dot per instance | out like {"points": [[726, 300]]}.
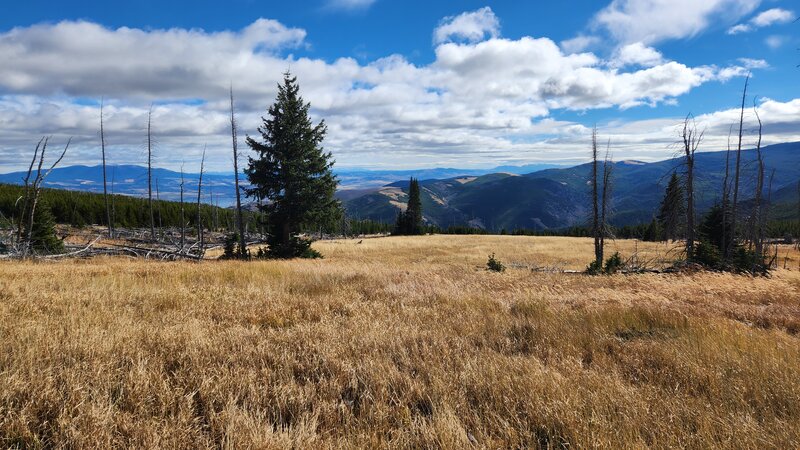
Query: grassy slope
{"points": [[397, 341]]}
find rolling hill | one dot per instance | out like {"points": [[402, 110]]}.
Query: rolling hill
{"points": [[557, 198]]}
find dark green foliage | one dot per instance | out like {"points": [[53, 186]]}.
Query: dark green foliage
{"points": [[707, 254], [43, 233], [409, 222], [231, 248], [715, 230], [85, 208], [292, 173], [494, 265], [594, 268], [612, 265], [653, 232], [672, 211], [710, 246]]}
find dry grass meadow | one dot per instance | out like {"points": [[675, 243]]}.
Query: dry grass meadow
{"points": [[398, 342]]}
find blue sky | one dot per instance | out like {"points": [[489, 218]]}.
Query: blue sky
{"points": [[401, 84]]}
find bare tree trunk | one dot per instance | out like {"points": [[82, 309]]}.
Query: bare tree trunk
{"points": [[105, 184], [37, 189], [758, 226], [607, 168], [691, 141], [734, 212], [726, 198], [239, 218], [199, 215], [598, 251], [183, 215], [113, 202], [158, 204], [150, 172], [27, 195]]}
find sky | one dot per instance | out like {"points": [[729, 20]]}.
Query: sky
{"points": [[400, 84]]}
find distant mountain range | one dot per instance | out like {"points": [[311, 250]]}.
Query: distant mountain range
{"points": [[132, 180], [558, 198], [536, 196]]}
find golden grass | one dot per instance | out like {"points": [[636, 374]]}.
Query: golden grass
{"points": [[397, 342]]}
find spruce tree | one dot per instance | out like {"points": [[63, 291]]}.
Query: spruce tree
{"points": [[292, 172], [409, 222], [672, 209]]}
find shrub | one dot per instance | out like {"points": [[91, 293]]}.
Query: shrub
{"points": [[231, 248], [595, 268], [494, 265], [613, 264]]}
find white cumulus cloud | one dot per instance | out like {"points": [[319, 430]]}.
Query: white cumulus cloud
{"points": [[763, 19], [652, 21], [469, 26]]}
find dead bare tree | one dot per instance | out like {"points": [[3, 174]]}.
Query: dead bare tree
{"points": [[691, 141], [734, 212], [158, 205], [105, 183], [239, 218], [36, 190], [726, 197], [758, 219], [113, 203], [183, 215], [150, 172], [596, 232], [199, 215], [27, 193], [605, 201]]}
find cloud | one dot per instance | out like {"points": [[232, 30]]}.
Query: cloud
{"points": [[349, 5], [637, 54], [775, 41], [763, 19], [579, 43], [653, 21], [471, 26], [489, 100]]}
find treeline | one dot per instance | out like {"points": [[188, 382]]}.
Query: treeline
{"points": [[80, 209]]}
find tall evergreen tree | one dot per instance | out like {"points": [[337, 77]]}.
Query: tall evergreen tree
{"points": [[409, 222], [292, 172], [672, 210]]}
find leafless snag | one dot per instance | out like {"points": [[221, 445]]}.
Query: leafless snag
{"points": [[758, 215], [199, 215], [606, 198], [36, 190], [239, 218], [596, 232], [150, 172], [27, 194], [183, 215], [734, 206], [691, 141], [105, 184]]}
